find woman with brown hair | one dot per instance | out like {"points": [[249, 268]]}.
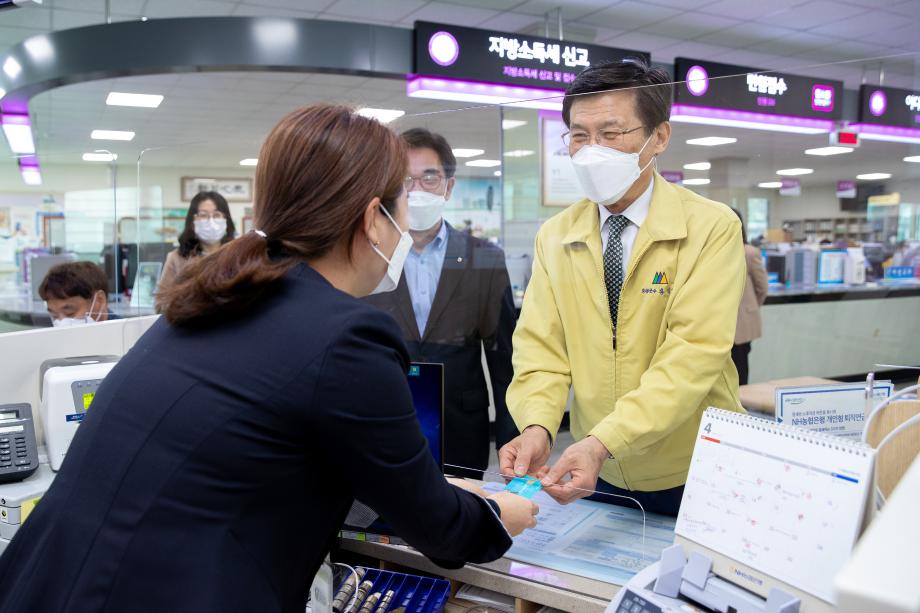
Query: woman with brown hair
{"points": [[223, 452]]}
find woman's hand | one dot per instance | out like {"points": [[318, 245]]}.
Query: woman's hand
{"points": [[517, 512], [469, 486]]}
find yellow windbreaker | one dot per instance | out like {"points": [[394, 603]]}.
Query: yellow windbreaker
{"points": [[676, 324]]}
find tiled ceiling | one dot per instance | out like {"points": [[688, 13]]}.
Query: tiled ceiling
{"points": [[853, 40]]}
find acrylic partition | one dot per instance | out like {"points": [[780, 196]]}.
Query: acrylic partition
{"points": [[53, 210]]}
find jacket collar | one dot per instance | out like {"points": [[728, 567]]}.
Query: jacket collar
{"points": [[665, 221]]}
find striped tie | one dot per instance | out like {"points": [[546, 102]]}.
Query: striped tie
{"points": [[613, 264]]}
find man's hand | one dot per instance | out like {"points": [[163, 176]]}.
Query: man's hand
{"points": [[525, 454], [583, 460]]}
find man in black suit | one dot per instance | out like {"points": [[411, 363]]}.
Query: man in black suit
{"points": [[454, 301]]}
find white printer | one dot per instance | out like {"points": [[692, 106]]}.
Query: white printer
{"points": [[68, 388], [18, 499]]}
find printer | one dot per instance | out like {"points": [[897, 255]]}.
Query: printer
{"points": [[18, 499], [68, 386]]}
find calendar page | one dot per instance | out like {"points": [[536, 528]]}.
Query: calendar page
{"points": [[782, 500]]}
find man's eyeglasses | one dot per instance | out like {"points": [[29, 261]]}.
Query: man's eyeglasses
{"points": [[429, 181], [607, 138]]}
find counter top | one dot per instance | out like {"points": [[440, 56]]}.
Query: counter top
{"points": [[536, 584], [829, 293]]}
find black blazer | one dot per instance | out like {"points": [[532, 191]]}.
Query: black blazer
{"points": [[472, 308], [216, 465]]}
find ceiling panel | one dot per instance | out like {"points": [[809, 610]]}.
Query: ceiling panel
{"points": [[630, 15], [814, 14], [450, 13]]}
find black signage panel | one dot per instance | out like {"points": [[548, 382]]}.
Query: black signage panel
{"points": [[471, 54], [725, 86], [889, 106]]}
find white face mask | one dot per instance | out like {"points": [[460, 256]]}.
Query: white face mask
{"points": [[210, 230], [425, 210], [70, 322], [396, 261], [606, 174]]}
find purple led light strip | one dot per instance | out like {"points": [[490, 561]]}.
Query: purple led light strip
{"points": [[749, 116], [517, 92]]}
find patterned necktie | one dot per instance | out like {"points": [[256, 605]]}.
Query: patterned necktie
{"points": [[613, 264]]}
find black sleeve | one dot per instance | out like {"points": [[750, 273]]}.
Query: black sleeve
{"points": [[369, 426], [497, 329]]}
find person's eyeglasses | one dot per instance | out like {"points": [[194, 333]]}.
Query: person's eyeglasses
{"points": [[202, 216], [428, 181], [607, 138]]}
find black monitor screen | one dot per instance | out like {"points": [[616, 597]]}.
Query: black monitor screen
{"points": [[426, 382]]}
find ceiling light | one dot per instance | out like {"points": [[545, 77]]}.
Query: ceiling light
{"points": [[112, 135], [698, 166], [99, 157], [770, 184], [712, 141], [913, 158], [794, 172], [11, 67], [18, 131], [148, 101], [828, 151], [874, 176], [249, 162], [750, 120], [39, 48], [497, 173], [381, 115], [510, 124], [695, 182], [484, 163], [518, 153], [467, 153], [31, 175]]}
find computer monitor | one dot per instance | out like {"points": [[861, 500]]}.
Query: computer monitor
{"points": [[426, 382]]}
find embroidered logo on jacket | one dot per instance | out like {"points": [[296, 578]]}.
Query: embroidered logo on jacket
{"points": [[660, 278]]}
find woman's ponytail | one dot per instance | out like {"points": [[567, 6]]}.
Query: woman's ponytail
{"points": [[227, 282]]}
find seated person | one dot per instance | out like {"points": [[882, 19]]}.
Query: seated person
{"points": [[76, 293]]}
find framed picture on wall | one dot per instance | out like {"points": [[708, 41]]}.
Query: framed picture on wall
{"points": [[237, 189]]}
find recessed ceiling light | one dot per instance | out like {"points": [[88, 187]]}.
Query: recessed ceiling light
{"points": [[381, 115], [698, 166], [712, 141], [510, 124], [828, 151], [468, 153], [18, 131], [913, 158], [484, 163], [147, 101], [874, 176], [12, 67], [249, 162], [99, 157], [518, 153], [111, 135], [497, 173], [695, 182], [31, 175], [794, 172], [770, 184]]}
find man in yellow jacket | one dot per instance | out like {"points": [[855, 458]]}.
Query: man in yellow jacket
{"points": [[632, 306]]}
